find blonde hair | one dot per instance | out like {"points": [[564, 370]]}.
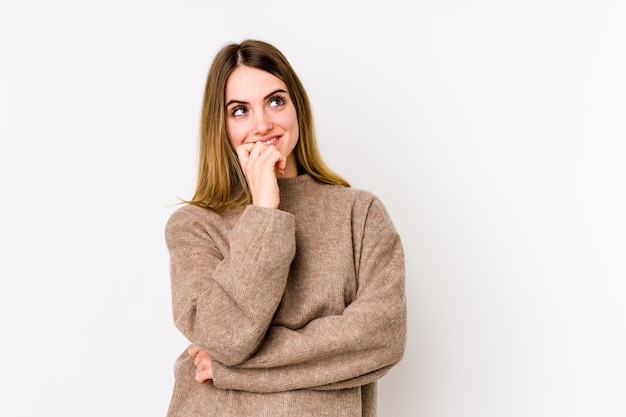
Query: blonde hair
{"points": [[221, 183]]}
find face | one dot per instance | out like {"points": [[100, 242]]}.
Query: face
{"points": [[259, 108]]}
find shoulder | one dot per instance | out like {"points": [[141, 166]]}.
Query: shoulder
{"points": [[359, 198], [191, 220], [188, 214], [355, 195], [361, 203], [368, 211]]}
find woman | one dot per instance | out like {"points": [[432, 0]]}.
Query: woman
{"points": [[288, 283]]}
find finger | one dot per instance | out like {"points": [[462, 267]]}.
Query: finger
{"points": [[272, 157], [204, 375], [204, 372], [199, 376], [254, 159], [281, 164], [257, 149], [193, 350], [247, 147], [202, 358], [243, 153]]}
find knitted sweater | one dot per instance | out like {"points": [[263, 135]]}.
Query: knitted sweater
{"points": [[302, 308]]}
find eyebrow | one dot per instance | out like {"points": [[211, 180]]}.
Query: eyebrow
{"points": [[280, 90]]}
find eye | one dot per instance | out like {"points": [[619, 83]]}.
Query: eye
{"points": [[238, 111], [277, 101]]}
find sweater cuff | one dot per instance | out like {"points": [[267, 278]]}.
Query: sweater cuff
{"points": [[276, 217]]}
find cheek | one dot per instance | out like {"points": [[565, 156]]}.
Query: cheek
{"points": [[291, 120], [296, 129]]}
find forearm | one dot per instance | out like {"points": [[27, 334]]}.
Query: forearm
{"points": [[344, 350], [332, 352], [223, 301]]}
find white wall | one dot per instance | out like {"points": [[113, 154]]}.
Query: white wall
{"points": [[495, 133]]}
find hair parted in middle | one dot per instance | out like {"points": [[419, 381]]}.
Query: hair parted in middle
{"points": [[221, 183]]}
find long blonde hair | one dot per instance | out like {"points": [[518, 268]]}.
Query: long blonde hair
{"points": [[221, 183]]}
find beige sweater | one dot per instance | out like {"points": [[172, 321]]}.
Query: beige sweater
{"points": [[302, 308]]}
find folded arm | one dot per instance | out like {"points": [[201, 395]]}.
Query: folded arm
{"points": [[340, 351], [224, 300]]}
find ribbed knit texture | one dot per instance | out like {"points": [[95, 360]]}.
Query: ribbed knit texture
{"points": [[302, 308]]}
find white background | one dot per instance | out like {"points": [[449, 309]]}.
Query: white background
{"points": [[494, 131]]}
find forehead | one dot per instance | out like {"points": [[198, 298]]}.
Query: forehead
{"points": [[246, 84]]}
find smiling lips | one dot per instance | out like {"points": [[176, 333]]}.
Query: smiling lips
{"points": [[270, 141]]}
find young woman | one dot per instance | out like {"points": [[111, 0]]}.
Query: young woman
{"points": [[288, 283]]}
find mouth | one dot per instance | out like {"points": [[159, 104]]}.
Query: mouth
{"points": [[270, 141]]}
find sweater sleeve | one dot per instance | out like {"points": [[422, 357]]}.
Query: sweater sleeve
{"points": [[224, 302], [340, 351]]}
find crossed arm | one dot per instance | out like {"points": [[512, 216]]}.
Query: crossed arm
{"points": [[333, 352]]}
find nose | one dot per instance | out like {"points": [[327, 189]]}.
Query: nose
{"points": [[262, 123]]}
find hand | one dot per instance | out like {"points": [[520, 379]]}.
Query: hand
{"points": [[260, 163], [202, 360]]}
